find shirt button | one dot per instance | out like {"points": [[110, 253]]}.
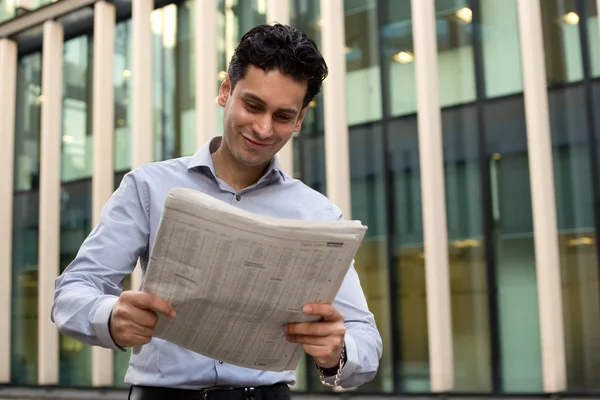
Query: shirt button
{"points": [[238, 197]]}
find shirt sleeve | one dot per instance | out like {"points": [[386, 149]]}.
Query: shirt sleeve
{"points": [[87, 290], [363, 341]]}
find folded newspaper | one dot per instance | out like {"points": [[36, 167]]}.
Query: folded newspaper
{"points": [[236, 278]]}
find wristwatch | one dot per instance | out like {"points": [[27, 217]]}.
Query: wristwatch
{"points": [[334, 371]]}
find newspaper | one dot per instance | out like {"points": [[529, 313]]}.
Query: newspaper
{"points": [[236, 278]]}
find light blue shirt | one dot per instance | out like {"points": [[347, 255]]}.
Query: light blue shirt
{"points": [[89, 288]]}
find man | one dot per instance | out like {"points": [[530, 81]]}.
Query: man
{"points": [[275, 72]]}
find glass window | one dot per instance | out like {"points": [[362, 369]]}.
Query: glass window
{"points": [[500, 41], [363, 89], [77, 139], [76, 193], [372, 262], [577, 236], [562, 43], [24, 315], [455, 54], [24, 318], [593, 27], [466, 251], [516, 291], [411, 345], [123, 109], [307, 17]]}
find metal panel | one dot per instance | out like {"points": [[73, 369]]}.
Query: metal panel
{"points": [[279, 11], [433, 197], [142, 137], [8, 79], [36, 18], [206, 70], [337, 157], [103, 135], [49, 227], [542, 196]]}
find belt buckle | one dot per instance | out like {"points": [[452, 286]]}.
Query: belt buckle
{"points": [[250, 393]]}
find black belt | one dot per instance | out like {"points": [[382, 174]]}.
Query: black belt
{"points": [[276, 392]]}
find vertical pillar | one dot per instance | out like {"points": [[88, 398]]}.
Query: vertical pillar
{"points": [[206, 70], [50, 188], [142, 135], [278, 11], [433, 197], [337, 157], [8, 78], [103, 158], [542, 196]]}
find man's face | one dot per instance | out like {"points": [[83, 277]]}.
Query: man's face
{"points": [[261, 114]]}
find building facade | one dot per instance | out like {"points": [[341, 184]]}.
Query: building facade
{"points": [[467, 142]]}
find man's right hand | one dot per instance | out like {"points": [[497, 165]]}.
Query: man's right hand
{"points": [[134, 317]]}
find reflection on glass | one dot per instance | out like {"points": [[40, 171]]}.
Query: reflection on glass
{"points": [[77, 109], [562, 43], [24, 317], [77, 153], [24, 293], [518, 318], [577, 237], [371, 263], [308, 20], [593, 27], [27, 123], [466, 252], [500, 46], [123, 109], [362, 62], [412, 348], [455, 54]]}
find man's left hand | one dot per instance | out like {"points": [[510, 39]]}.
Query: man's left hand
{"points": [[323, 340]]}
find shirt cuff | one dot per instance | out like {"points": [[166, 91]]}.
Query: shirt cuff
{"points": [[100, 322], [351, 360]]}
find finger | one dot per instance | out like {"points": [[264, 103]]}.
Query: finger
{"points": [[311, 328], [145, 319], [150, 301], [136, 340], [316, 351], [307, 339], [327, 311]]}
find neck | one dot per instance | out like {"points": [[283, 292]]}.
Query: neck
{"points": [[232, 172]]}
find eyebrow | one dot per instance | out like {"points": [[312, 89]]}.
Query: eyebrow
{"points": [[250, 96]]}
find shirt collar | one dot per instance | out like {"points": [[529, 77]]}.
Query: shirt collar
{"points": [[202, 158]]}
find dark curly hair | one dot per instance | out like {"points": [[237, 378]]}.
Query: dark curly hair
{"points": [[280, 47]]}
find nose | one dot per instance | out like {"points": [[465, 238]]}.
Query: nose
{"points": [[263, 126]]}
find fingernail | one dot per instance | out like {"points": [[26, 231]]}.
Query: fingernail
{"points": [[307, 309], [173, 314]]}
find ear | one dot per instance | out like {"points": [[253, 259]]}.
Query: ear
{"points": [[300, 119], [224, 91]]}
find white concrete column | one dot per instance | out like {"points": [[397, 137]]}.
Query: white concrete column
{"points": [[103, 158], [278, 11], [337, 156], [433, 197], [142, 133], [542, 196], [206, 70], [50, 188], [8, 88]]}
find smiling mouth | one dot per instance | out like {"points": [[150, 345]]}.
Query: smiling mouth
{"points": [[254, 143]]}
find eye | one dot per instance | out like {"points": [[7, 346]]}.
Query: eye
{"points": [[253, 107], [282, 117]]}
